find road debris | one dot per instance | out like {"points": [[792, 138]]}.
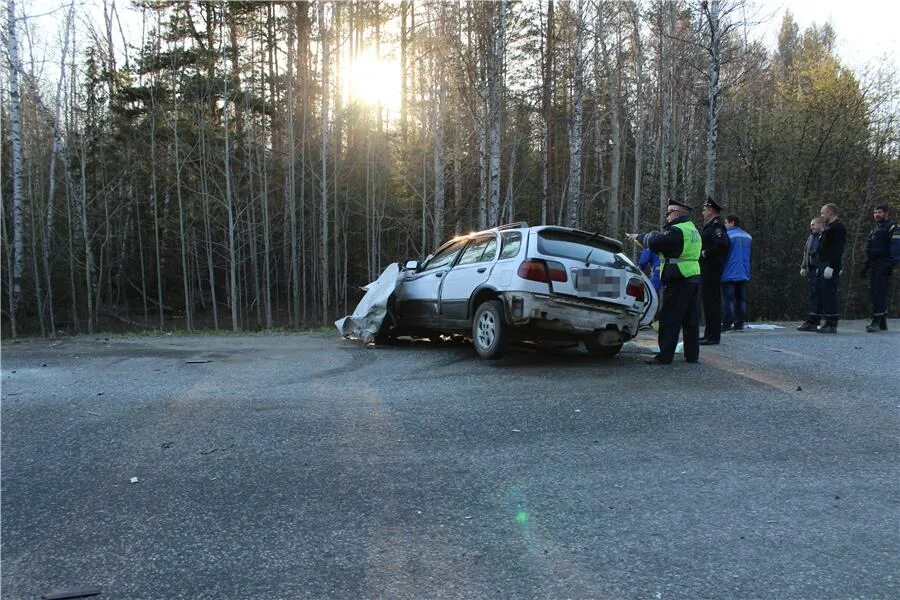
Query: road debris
{"points": [[134, 480], [73, 593]]}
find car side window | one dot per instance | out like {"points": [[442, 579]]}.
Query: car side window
{"points": [[512, 241], [477, 249], [444, 257], [490, 251]]}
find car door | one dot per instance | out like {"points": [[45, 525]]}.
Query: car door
{"points": [[471, 270], [419, 293]]}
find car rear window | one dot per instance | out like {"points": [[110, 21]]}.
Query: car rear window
{"points": [[580, 247]]}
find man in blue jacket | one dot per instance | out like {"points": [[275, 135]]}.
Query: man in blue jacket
{"points": [[880, 262], [649, 264], [736, 275]]}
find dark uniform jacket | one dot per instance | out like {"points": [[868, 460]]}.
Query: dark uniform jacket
{"points": [[715, 246], [669, 243], [878, 251], [831, 246]]}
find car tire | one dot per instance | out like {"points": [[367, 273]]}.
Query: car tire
{"points": [[489, 330], [597, 349]]}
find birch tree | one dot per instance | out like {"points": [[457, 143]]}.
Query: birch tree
{"points": [[573, 214], [638, 117], [15, 125], [612, 90], [496, 59], [712, 12], [325, 277]]}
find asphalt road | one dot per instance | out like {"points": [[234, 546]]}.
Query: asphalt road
{"points": [[305, 466]]}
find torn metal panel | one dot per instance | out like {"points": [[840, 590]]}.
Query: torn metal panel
{"points": [[369, 314]]}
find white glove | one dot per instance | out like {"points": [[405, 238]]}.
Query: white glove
{"points": [[828, 272], [803, 272]]}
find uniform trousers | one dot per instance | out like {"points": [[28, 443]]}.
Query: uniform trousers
{"points": [[880, 286], [815, 297], [680, 312], [828, 293], [712, 302]]}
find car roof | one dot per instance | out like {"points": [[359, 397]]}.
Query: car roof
{"points": [[523, 227]]}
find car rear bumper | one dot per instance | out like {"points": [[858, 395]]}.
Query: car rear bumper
{"points": [[565, 316]]}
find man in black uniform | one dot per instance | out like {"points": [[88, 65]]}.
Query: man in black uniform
{"points": [[880, 265], [831, 256], [679, 249], [712, 263]]}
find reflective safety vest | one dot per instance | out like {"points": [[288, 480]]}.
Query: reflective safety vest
{"points": [[689, 261]]}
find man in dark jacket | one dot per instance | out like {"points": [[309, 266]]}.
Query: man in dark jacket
{"points": [[712, 263], [880, 265], [679, 247], [831, 254]]}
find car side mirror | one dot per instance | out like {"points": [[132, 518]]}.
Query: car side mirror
{"points": [[411, 265]]}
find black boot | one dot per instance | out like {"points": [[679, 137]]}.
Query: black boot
{"points": [[883, 324], [874, 326]]}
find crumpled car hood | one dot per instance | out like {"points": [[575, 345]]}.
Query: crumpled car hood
{"points": [[366, 319]]}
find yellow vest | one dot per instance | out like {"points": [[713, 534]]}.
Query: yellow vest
{"points": [[689, 261]]}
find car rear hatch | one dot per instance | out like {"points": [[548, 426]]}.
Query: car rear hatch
{"points": [[594, 269]]}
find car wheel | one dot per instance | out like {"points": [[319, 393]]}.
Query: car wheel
{"points": [[597, 349], [489, 330]]}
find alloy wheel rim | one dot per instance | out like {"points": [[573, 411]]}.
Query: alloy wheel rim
{"points": [[487, 330]]}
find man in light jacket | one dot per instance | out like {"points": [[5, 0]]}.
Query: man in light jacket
{"points": [[736, 275], [809, 268]]}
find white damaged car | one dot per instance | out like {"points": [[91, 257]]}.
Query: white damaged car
{"points": [[521, 283]]}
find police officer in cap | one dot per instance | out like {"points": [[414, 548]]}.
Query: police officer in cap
{"points": [[712, 263], [679, 248]]}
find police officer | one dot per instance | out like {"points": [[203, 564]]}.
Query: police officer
{"points": [[880, 265], [679, 250], [712, 262], [831, 257]]}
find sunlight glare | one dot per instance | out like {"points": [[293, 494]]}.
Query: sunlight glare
{"points": [[372, 81]]}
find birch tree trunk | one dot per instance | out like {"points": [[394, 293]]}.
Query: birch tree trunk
{"points": [[495, 94], [15, 114], [712, 11], [438, 88], [325, 277], [665, 116], [638, 120], [292, 179], [612, 206], [185, 278], [47, 240], [229, 198], [546, 111], [573, 215]]}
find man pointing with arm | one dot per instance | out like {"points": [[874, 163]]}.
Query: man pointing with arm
{"points": [[679, 246]]}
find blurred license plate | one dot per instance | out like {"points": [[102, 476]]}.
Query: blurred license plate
{"points": [[606, 283]]}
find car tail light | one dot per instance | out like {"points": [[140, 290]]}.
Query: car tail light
{"points": [[635, 288], [557, 271], [544, 271], [534, 270]]}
